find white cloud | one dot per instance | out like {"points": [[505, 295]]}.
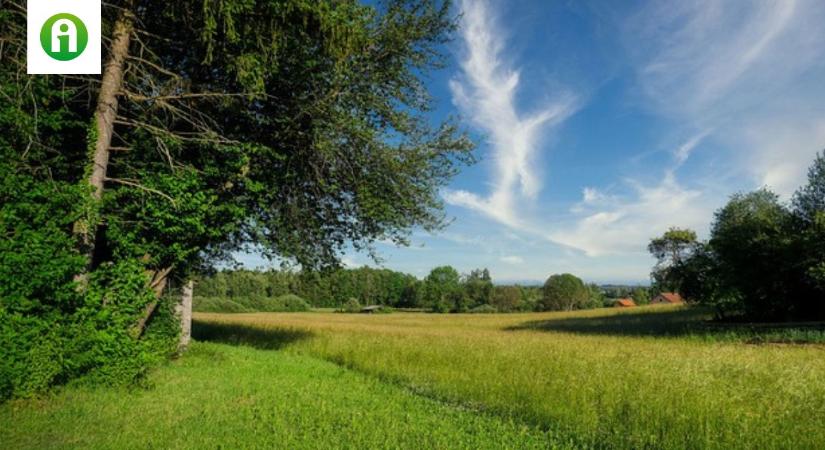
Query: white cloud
{"points": [[349, 262], [591, 195], [742, 79], [749, 71], [486, 93], [625, 225], [786, 150], [512, 259], [682, 153]]}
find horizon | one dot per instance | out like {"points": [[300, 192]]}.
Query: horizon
{"points": [[599, 126]]}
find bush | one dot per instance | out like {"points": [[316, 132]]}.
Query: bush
{"points": [[292, 303], [50, 332], [484, 309], [284, 303], [91, 343], [217, 305], [351, 306]]}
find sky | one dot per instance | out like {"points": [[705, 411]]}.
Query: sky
{"points": [[600, 124]]}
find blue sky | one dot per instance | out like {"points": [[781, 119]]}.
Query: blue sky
{"points": [[600, 124]]}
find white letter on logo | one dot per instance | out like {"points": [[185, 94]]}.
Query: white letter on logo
{"points": [[64, 27]]}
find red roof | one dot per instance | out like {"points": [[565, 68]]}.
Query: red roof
{"points": [[668, 297], [625, 302]]}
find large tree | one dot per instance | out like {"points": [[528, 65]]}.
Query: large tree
{"points": [[297, 126], [564, 292]]}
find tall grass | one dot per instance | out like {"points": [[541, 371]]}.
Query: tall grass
{"points": [[220, 396], [645, 378]]}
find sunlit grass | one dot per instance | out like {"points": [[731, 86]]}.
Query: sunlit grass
{"points": [[221, 396], [649, 377]]}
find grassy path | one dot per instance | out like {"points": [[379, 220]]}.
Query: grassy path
{"points": [[223, 396]]}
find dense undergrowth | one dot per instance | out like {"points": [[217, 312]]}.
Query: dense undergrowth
{"points": [[51, 332], [281, 303]]}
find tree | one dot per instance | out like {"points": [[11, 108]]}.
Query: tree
{"points": [[442, 289], [809, 214], [752, 238], [641, 296], [478, 286], [564, 292], [670, 250], [506, 298], [296, 126], [412, 295], [597, 297], [809, 200]]}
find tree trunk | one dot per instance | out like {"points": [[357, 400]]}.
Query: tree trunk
{"points": [[157, 282], [105, 114], [184, 311]]}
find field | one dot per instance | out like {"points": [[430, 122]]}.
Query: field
{"points": [[643, 378]]}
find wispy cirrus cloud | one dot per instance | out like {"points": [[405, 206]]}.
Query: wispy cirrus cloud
{"points": [[746, 70], [608, 224], [485, 92], [741, 74]]}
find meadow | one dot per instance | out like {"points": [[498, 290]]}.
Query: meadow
{"points": [[654, 377]]}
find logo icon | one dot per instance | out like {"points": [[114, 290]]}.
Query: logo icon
{"points": [[64, 37]]}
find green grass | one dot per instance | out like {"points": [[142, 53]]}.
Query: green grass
{"points": [[657, 377], [645, 378], [221, 396]]}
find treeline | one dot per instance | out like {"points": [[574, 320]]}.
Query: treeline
{"points": [[443, 290], [765, 260]]}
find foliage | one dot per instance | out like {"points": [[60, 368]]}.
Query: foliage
{"points": [[483, 309], [445, 291], [351, 306], [764, 261], [478, 287], [564, 292], [670, 250], [597, 298], [90, 341], [252, 303], [506, 298], [442, 290], [641, 296], [297, 126], [218, 304]]}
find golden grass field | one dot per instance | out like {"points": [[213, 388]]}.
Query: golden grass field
{"points": [[641, 378]]}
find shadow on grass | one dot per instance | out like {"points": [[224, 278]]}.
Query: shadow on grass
{"points": [[648, 321], [250, 336], [686, 321]]}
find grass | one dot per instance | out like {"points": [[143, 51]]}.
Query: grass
{"points": [[224, 396], [653, 377]]}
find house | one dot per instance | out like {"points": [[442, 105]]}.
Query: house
{"points": [[624, 303], [667, 298], [371, 309]]}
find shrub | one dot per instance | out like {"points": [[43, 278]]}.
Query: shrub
{"points": [[217, 305], [351, 306], [292, 303], [284, 303], [50, 332], [92, 342], [484, 309]]}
